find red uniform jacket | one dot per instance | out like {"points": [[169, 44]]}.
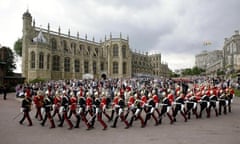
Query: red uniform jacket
{"points": [[131, 101], [73, 101]]}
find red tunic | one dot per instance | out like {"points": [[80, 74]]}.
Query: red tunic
{"points": [[38, 101], [155, 99], [115, 101], [73, 101], [171, 98], [89, 102], [143, 100], [131, 101], [103, 102]]}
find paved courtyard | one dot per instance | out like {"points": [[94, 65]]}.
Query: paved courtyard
{"points": [[224, 129]]}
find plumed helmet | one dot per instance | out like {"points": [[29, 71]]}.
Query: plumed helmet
{"points": [[135, 95], [149, 95], [163, 93], [39, 92]]}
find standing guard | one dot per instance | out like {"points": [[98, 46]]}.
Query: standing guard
{"points": [[26, 108]]}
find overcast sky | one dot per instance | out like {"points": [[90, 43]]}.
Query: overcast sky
{"points": [[175, 28]]}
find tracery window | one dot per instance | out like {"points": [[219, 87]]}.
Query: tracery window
{"points": [[32, 60], [77, 65], [124, 51], [115, 50], [67, 64], [115, 67], [56, 63], [41, 60]]}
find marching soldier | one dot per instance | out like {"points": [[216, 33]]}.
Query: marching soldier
{"points": [[114, 106], [137, 112], [213, 103], [81, 110], [47, 105], [165, 108], [204, 104], [120, 109], [143, 101], [191, 105], [26, 108], [89, 102], [38, 101], [64, 111], [131, 101], [56, 106], [104, 106], [179, 106], [223, 102], [73, 109], [98, 113], [156, 101], [150, 110]]}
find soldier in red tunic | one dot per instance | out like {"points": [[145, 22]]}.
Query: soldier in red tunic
{"points": [[130, 104], [104, 105], [81, 110], [89, 102], [73, 109], [114, 108], [56, 105], [150, 110], [120, 109], [38, 101], [98, 113], [156, 101], [137, 111], [166, 106]]}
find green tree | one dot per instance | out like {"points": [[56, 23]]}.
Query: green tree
{"points": [[8, 58], [197, 71], [18, 47], [192, 71]]}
